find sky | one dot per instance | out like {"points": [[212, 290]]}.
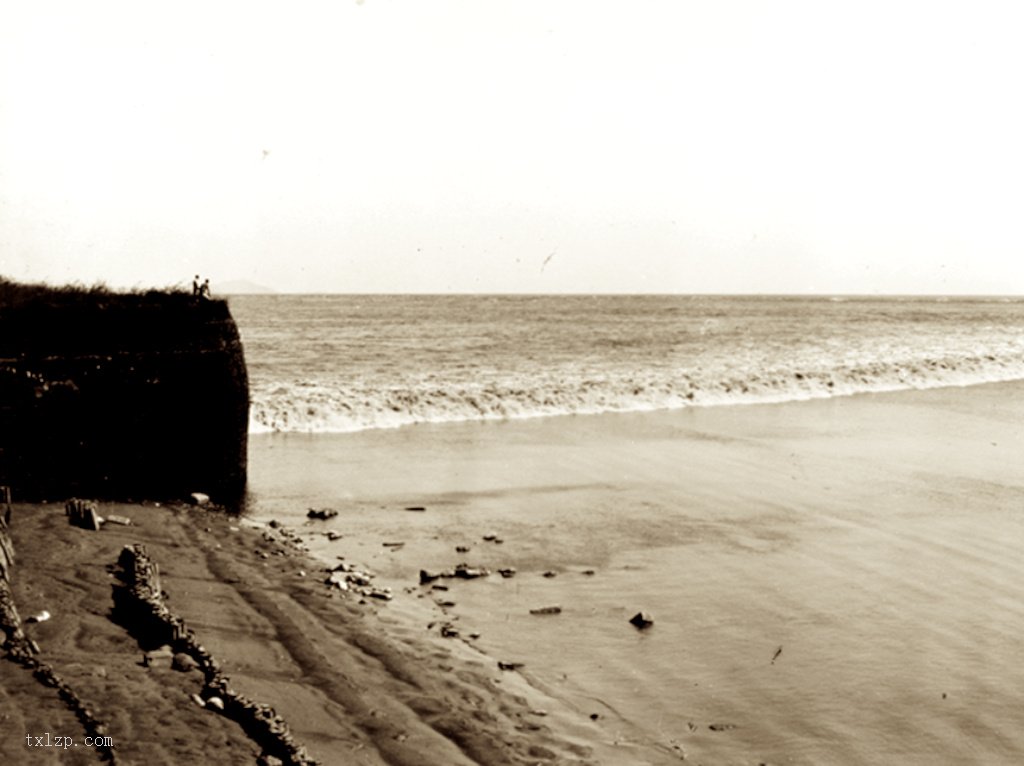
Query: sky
{"points": [[554, 146]]}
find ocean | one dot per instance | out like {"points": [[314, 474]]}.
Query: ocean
{"points": [[337, 363], [833, 578]]}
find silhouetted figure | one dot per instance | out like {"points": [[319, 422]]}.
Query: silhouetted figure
{"points": [[195, 286], [204, 291]]}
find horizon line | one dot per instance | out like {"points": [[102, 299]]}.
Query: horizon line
{"points": [[625, 294]]}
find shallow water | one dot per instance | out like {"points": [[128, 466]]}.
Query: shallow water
{"points": [[875, 540]]}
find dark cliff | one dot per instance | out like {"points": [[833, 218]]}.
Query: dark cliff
{"points": [[120, 395]]}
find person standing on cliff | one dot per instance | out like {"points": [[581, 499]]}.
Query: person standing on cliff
{"points": [[204, 291], [195, 285]]}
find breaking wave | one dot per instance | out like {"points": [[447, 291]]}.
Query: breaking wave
{"points": [[327, 406]]}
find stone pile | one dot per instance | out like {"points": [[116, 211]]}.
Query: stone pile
{"points": [[347, 577], [141, 602], [283, 538]]}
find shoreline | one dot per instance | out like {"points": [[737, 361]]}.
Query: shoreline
{"points": [[863, 536], [719, 521]]}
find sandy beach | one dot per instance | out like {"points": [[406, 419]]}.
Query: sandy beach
{"points": [[353, 686], [870, 538], [831, 581]]}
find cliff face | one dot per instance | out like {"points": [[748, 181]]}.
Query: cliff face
{"points": [[121, 396]]}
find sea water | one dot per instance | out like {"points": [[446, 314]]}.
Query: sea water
{"points": [[335, 363], [830, 584]]}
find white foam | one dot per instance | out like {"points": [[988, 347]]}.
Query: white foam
{"points": [[321, 407]]}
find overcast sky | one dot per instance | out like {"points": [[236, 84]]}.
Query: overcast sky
{"points": [[493, 146]]}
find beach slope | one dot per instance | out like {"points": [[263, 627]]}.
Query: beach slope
{"points": [[354, 686]]}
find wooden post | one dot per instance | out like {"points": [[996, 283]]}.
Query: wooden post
{"points": [[6, 546]]}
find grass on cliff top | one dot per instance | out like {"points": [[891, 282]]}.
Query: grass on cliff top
{"points": [[17, 295]]}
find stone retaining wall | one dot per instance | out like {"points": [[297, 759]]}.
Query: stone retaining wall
{"points": [[140, 605]]}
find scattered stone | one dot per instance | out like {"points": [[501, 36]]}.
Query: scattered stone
{"points": [[337, 579], [302, 573], [269, 760], [332, 535], [594, 716], [641, 620], [183, 663], [474, 635], [216, 703], [510, 665], [157, 656], [449, 631], [490, 537], [122, 520], [507, 572], [439, 587], [446, 604], [547, 610], [722, 726], [43, 616], [198, 700], [588, 572], [323, 514], [539, 712], [274, 524], [415, 508], [199, 498], [466, 572], [549, 573], [393, 545], [462, 549], [428, 577]]}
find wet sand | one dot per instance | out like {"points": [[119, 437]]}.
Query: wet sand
{"points": [[873, 539]]}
